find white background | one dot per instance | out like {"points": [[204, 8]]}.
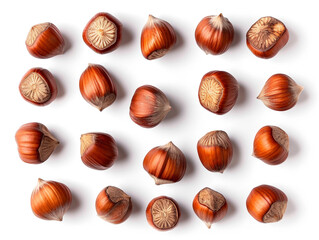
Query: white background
{"points": [[178, 75]]}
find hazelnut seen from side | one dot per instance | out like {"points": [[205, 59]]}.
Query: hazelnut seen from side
{"points": [[214, 34], [266, 204], [113, 205], [149, 106], [163, 213], [98, 150], [218, 92], [165, 164], [35, 143], [215, 151], [271, 145], [280, 92], [103, 33], [38, 87], [210, 206], [50, 200], [266, 37], [157, 38], [45, 40], [97, 87]]}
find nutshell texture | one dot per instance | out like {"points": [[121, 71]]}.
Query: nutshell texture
{"points": [[214, 34], [157, 38], [50, 200], [266, 37], [103, 33], [38, 87], [162, 213]]}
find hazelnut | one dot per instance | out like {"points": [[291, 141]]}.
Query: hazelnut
{"points": [[45, 40], [113, 205], [157, 38], [38, 87], [163, 213], [218, 92], [271, 145], [210, 206], [103, 33], [266, 204], [50, 200], [35, 143], [165, 164], [280, 92], [215, 151], [214, 34], [149, 106], [97, 87], [266, 37], [98, 150]]}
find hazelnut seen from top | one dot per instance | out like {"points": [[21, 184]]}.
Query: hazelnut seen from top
{"points": [[103, 33], [266, 37]]}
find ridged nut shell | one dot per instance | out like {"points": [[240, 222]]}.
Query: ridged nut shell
{"points": [[163, 213], [266, 37], [50, 200], [103, 33], [38, 87], [214, 34], [149, 106], [113, 205], [35, 143], [271, 145], [165, 164], [210, 206], [157, 38], [215, 151], [98, 150], [97, 87], [280, 92], [218, 92], [45, 40], [267, 204]]}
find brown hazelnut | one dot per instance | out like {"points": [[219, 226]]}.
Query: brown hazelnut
{"points": [[266, 204], [266, 37], [35, 143], [103, 33], [157, 38], [45, 40], [218, 92], [50, 200], [163, 213], [149, 106], [214, 34], [113, 205], [97, 87], [210, 206], [280, 92], [38, 87], [98, 150], [215, 151], [165, 164], [271, 145]]}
